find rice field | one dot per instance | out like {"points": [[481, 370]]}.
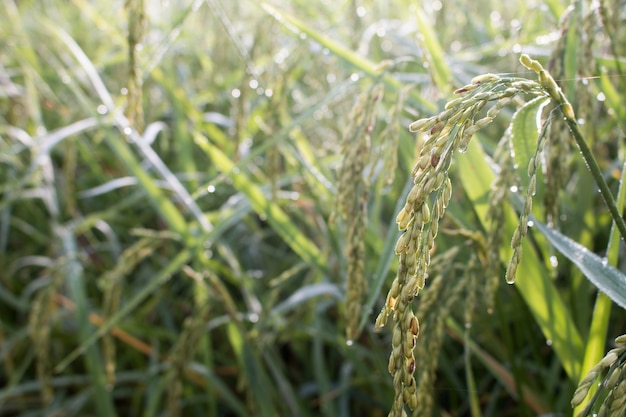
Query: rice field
{"points": [[312, 208]]}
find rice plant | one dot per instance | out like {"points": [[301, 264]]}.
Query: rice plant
{"points": [[204, 205]]}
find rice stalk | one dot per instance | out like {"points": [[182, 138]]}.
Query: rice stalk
{"points": [[352, 198], [136, 28], [425, 205]]}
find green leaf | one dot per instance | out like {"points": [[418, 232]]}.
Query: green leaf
{"points": [[605, 277], [306, 293], [439, 70], [614, 100], [525, 131]]}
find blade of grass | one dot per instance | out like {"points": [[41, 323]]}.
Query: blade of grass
{"points": [[283, 385], [215, 383], [321, 373], [614, 100], [469, 375], [439, 70], [498, 370], [605, 277], [386, 257]]}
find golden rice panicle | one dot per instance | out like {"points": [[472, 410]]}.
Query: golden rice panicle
{"points": [[498, 196], [40, 323], [355, 150], [434, 307], [390, 138], [557, 155], [356, 285], [522, 227], [610, 17], [351, 202], [183, 351], [136, 28], [111, 284], [425, 205], [39, 326]]}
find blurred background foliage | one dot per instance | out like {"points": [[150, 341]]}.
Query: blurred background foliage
{"points": [[165, 237]]}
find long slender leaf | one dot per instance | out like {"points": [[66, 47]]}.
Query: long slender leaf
{"points": [[438, 67], [605, 277]]}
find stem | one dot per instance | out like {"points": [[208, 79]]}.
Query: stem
{"points": [[595, 171]]}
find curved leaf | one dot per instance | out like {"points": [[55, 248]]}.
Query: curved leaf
{"points": [[605, 277], [306, 293]]}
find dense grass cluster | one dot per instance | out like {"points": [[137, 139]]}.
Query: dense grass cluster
{"points": [[200, 204]]}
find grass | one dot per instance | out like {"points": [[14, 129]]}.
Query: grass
{"points": [[177, 224]]}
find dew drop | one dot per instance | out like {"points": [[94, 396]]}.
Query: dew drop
{"points": [[514, 188], [102, 109], [349, 342], [211, 188], [554, 261], [548, 342], [253, 317]]}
